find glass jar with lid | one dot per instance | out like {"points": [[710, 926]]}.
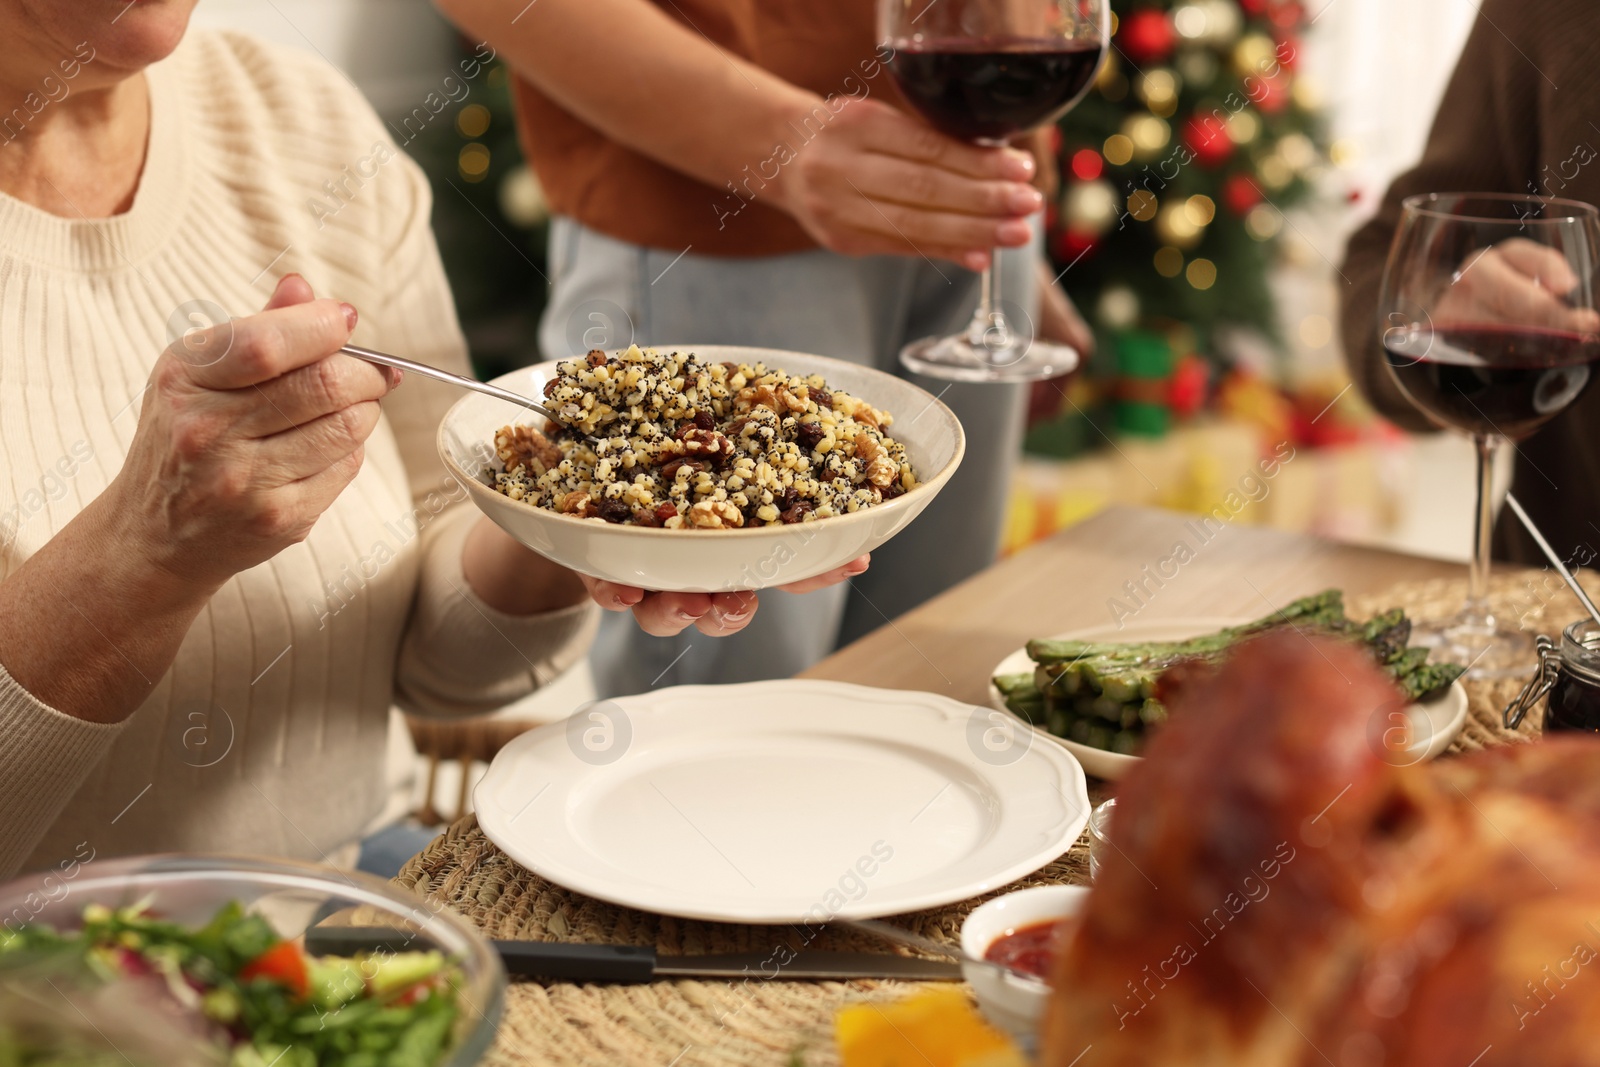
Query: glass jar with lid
{"points": [[1569, 676]]}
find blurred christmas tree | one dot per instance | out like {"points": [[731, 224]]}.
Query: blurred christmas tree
{"points": [[490, 219], [1176, 170]]}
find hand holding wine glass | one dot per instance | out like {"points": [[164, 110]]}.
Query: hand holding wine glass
{"points": [[984, 72], [879, 182], [1489, 326], [1516, 281]]}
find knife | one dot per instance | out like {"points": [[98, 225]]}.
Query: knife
{"points": [[623, 964]]}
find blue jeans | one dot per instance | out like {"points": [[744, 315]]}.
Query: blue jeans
{"points": [[607, 294]]}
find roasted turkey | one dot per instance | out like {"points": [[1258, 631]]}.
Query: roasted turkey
{"points": [[1290, 888]]}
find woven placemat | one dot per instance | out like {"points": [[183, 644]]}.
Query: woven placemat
{"points": [[760, 1023], [681, 1023], [1537, 600]]}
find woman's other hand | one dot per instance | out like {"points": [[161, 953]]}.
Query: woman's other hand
{"points": [[248, 431], [714, 614]]}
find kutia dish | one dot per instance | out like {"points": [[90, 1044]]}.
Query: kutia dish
{"points": [[1098, 692], [682, 443], [191, 960], [928, 446]]}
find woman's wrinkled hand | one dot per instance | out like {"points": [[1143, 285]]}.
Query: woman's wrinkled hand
{"points": [[248, 431], [714, 614]]}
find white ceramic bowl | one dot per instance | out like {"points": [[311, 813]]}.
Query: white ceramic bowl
{"points": [[1012, 1003], [711, 561]]}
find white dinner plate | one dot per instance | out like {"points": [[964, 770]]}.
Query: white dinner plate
{"points": [[1431, 725], [783, 801]]}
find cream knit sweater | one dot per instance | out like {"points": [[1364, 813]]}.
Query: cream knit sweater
{"points": [[267, 735]]}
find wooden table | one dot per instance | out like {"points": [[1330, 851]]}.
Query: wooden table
{"points": [[947, 645], [1073, 580]]}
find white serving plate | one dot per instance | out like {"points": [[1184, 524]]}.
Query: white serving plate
{"points": [[781, 802], [1432, 725], [711, 561]]}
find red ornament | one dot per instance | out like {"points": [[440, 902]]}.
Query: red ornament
{"points": [[1147, 36], [1241, 193], [1186, 389], [1288, 51], [1273, 95], [1068, 245], [1207, 137], [1087, 164], [1288, 15]]}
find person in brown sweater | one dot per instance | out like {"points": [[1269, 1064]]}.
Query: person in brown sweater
{"points": [[1515, 118]]}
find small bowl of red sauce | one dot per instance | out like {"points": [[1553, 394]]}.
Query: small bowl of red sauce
{"points": [[1026, 931]]}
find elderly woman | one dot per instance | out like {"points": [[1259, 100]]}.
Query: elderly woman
{"points": [[221, 561]]}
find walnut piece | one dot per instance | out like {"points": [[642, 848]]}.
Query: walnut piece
{"points": [[707, 445], [752, 396], [881, 470], [523, 446], [714, 515], [574, 503]]}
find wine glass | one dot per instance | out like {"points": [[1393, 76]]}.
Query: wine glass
{"points": [[1488, 323], [984, 71]]}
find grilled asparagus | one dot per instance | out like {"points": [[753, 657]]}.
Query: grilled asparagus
{"points": [[1103, 693]]}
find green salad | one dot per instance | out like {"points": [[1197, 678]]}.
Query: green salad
{"points": [[235, 988], [1105, 695]]}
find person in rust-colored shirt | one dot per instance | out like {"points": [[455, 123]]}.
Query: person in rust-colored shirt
{"points": [[743, 172]]}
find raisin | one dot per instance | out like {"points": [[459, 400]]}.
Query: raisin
{"points": [[809, 435], [645, 517], [550, 387], [613, 510], [666, 511], [894, 489], [705, 420], [823, 398], [796, 512], [731, 368], [670, 471], [596, 357]]}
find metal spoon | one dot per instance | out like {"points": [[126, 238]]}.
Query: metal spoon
{"points": [[1555, 560], [413, 367]]}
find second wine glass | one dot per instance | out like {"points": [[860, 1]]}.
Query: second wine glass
{"points": [[985, 71], [1489, 326]]}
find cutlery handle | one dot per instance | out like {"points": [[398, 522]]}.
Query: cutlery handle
{"points": [[523, 959], [411, 366], [577, 963]]}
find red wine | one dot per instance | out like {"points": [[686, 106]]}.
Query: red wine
{"points": [[991, 88], [1506, 380]]}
